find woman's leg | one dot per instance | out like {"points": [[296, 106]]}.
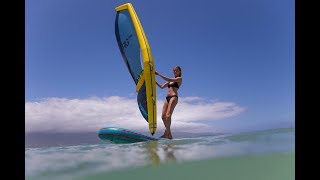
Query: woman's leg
{"points": [[171, 105], [163, 116]]}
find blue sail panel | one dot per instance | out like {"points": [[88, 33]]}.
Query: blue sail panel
{"points": [[128, 43], [130, 50], [142, 102]]}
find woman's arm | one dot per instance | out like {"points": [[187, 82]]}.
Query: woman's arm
{"points": [[177, 79], [162, 85]]}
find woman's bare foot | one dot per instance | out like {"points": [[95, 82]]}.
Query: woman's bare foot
{"points": [[166, 136]]}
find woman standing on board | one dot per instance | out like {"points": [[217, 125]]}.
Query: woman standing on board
{"points": [[173, 85]]}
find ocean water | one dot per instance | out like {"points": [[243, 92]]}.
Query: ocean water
{"points": [[258, 155]]}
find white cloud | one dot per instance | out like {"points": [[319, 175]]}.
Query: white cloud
{"points": [[83, 115], [193, 109]]}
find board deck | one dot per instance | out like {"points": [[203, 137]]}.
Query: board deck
{"points": [[121, 135]]}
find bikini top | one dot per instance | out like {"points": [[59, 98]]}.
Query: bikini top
{"points": [[175, 84]]}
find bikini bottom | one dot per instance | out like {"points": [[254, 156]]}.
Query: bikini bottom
{"points": [[169, 97]]}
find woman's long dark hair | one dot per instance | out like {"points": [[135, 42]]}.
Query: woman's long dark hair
{"points": [[179, 70]]}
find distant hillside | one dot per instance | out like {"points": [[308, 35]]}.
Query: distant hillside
{"points": [[60, 139]]}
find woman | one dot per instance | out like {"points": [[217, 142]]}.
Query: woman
{"points": [[173, 85]]}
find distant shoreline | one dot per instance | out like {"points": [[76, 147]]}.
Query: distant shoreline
{"points": [[41, 139]]}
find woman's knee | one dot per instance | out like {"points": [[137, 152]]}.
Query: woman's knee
{"points": [[168, 116]]}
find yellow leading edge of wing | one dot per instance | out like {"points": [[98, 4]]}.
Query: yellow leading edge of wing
{"points": [[148, 75]]}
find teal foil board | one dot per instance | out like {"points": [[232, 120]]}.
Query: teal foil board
{"points": [[121, 135]]}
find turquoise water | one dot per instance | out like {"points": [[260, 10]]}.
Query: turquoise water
{"points": [[268, 154]]}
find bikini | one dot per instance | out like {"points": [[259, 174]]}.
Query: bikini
{"points": [[175, 84]]}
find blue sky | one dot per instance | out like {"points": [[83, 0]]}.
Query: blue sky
{"points": [[237, 60]]}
